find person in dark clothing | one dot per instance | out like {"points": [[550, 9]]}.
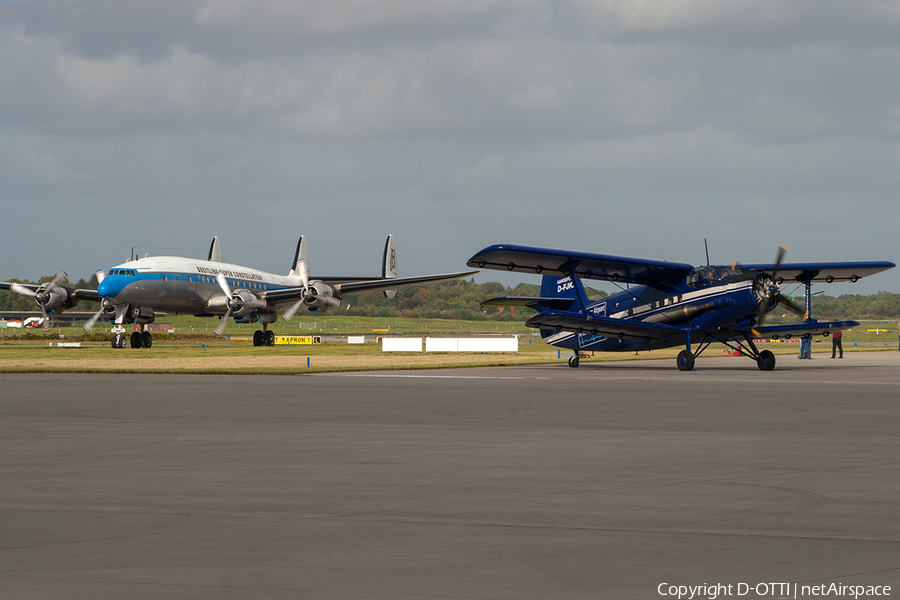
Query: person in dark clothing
{"points": [[836, 343]]}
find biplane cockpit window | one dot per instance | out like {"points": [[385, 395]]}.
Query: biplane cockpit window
{"points": [[702, 276]]}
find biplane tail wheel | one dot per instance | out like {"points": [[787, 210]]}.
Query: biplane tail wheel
{"points": [[766, 361], [685, 361]]}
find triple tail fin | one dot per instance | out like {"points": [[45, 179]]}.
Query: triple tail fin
{"points": [[215, 250], [389, 264], [301, 255]]}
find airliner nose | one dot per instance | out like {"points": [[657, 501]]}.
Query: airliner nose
{"points": [[111, 286]]}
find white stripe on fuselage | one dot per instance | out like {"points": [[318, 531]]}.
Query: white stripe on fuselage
{"points": [[643, 311], [189, 266]]}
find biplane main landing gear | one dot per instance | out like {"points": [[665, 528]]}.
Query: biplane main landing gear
{"points": [[685, 360], [765, 361]]}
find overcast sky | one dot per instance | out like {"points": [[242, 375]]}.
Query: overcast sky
{"points": [[633, 128]]}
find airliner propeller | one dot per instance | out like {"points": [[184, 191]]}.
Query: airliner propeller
{"points": [[93, 320], [240, 302], [311, 295], [43, 295], [101, 275], [233, 302]]}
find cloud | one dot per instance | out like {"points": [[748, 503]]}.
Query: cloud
{"points": [[632, 127]]}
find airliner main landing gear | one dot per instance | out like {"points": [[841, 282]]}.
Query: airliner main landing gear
{"points": [[264, 337], [138, 339], [141, 339]]}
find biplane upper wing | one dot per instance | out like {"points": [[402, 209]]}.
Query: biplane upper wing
{"points": [[827, 272], [621, 328], [801, 329], [563, 263]]}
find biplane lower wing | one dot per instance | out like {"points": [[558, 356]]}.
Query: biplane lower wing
{"points": [[621, 328], [563, 263], [801, 329], [530, 302]]}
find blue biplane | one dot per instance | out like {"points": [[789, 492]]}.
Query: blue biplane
{"points": [[664, 304]]}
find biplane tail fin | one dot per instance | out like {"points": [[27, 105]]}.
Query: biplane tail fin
{"points": [[565, 288]]}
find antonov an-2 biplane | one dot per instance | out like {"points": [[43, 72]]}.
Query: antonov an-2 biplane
{"points": [[136, 291], [665, 304]]}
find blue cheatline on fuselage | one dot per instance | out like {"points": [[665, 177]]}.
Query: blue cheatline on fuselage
{"points": [[186, 288]]}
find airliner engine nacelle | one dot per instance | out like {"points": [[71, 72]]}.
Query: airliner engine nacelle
{"points": [[320, 295], [55, 299], [108, 307], [142, 315], [241, 303], [245, 302]]}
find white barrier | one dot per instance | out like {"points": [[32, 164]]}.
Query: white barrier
{"points": [[389, 344], [480, 344], [356, 339], [489, 344], [441, 345]]}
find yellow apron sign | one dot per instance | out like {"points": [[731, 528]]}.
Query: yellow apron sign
{"points": [[298, 339]]}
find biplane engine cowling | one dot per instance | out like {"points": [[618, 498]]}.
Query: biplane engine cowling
{"points": [[765, 291]]}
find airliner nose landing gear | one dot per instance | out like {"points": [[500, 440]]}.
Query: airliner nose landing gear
{"points": [[118, 340], [573, 361]]}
